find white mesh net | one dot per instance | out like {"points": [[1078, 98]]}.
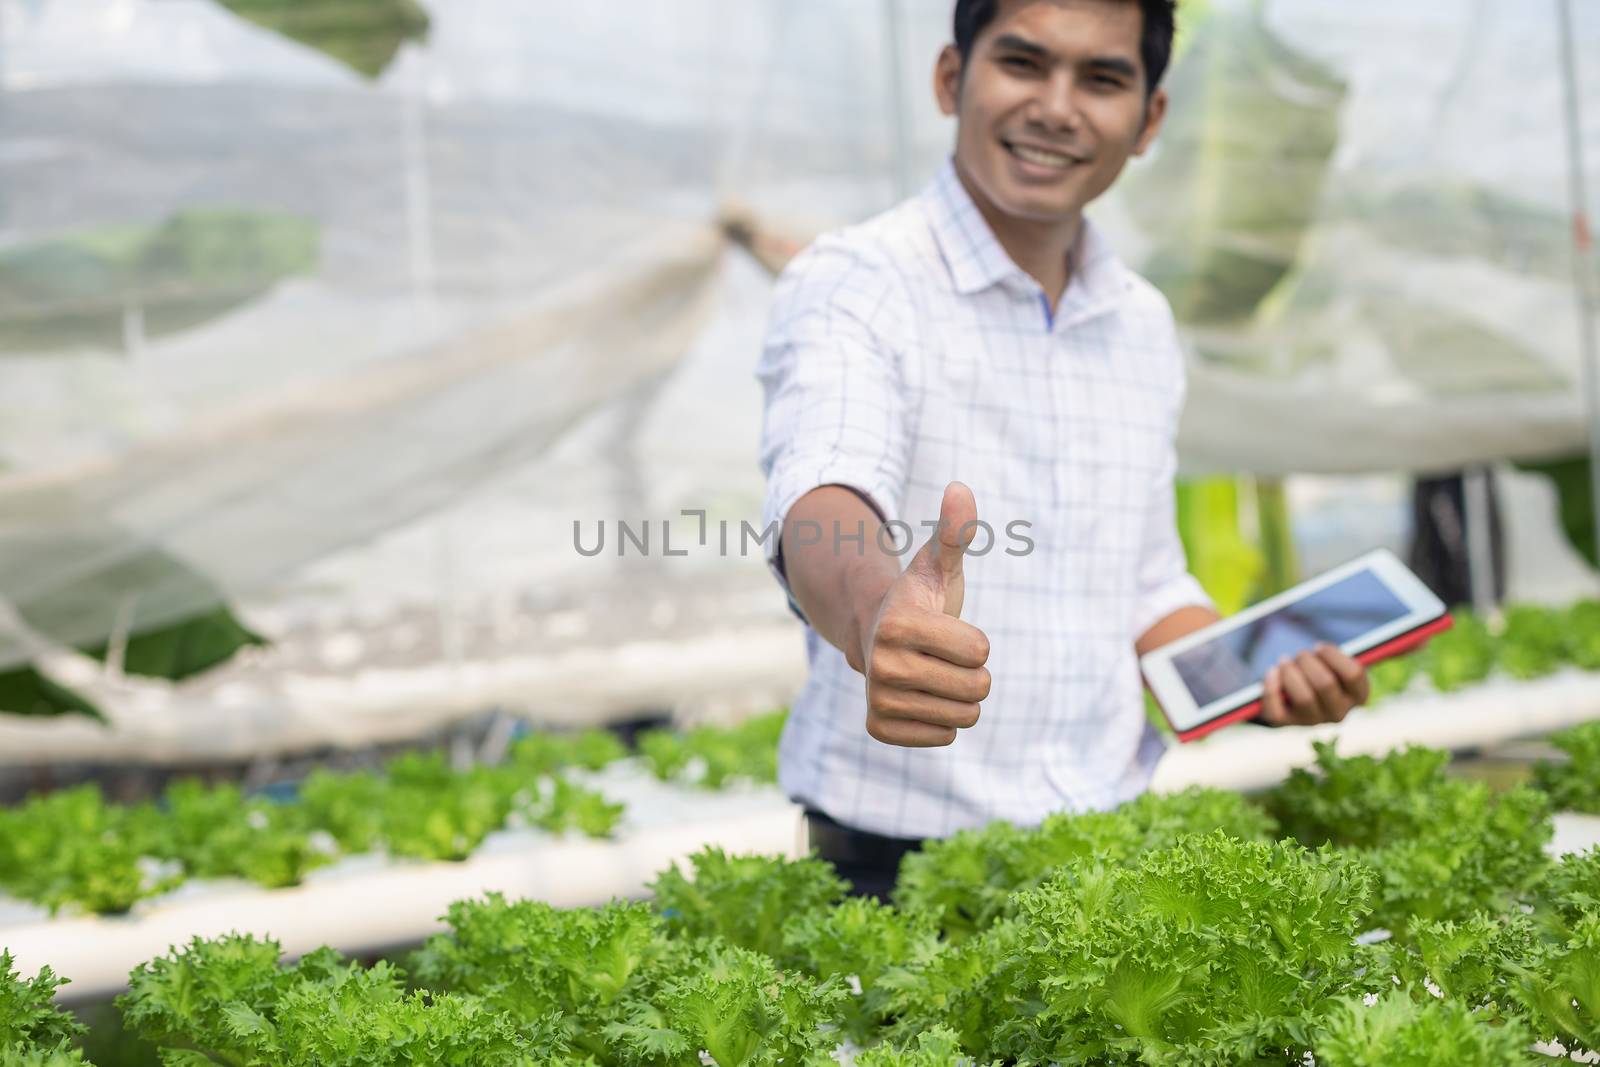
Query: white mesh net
{"points": [[338, 347]]}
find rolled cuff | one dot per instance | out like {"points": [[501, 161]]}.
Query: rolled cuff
{"points": [[1180, 591]]}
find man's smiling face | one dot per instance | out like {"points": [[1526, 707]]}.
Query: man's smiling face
{"points": [[1050, 105]]}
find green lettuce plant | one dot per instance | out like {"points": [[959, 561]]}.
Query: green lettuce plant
{"points": [[1444, 847], [229, 1001], [32, 1028], [71, 847], [1399, 1031], [748, 901], [712, 756], [1208, 951], [1573, 785], [968, 880]]}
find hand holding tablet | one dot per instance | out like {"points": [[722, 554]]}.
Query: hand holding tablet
{"points": [[1318, 685], [1368, 609]]}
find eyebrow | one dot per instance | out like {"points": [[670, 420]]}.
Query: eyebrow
{"points": [[1011, 42], [1114, 65]]}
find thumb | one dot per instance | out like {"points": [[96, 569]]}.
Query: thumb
{"points": [[940, 561]]}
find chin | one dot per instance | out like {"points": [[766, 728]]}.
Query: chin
{"points": [[1038, 206]]}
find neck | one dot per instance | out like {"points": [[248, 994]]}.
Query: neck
{"points": [[1041, 249]]}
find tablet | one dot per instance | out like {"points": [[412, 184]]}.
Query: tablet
{"points": [[1372, 608]]}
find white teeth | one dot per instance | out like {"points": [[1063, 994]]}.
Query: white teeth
{"points": [[1038, 155]]}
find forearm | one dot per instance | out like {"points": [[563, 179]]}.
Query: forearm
{"points": [[1186, 620], [838, 584]]}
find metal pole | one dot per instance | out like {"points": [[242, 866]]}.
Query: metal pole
{"points": [[898, 114], [1583, 252], [1480, 537]]}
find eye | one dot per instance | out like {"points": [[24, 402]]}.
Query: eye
{"points": [[1017, 62]]}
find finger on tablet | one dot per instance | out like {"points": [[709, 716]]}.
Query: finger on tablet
{"points": [[1303, 707], [1332, 701], [1352, 672]]}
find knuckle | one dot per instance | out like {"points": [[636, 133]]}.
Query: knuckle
{"points": [[893, 627], [886, 668], [968, 717], [875, 728], [945, 737], [984, 681]]}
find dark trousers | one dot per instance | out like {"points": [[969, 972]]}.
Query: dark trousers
{"points": [[868, 861]]}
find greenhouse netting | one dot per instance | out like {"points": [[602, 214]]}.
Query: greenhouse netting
{"points": [[318, 314]]}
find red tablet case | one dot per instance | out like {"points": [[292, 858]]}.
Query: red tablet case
{"points": [[1406, 642]]}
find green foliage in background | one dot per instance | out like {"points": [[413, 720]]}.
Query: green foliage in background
{"points": [[147, 599], [71, 848], [1228, 566], [1230, 195], [364, 35], [1574, 499], [712, 756], [75, 291], [25, 691], [1527, 641]]}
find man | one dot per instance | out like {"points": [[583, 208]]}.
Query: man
{"points": [[984, 331]]}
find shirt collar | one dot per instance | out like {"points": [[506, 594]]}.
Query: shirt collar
{"points": [[977, 260]]}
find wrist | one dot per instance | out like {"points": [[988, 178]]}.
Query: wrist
{"points": [[865, 590]]}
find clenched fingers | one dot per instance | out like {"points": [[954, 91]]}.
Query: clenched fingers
{"points": [[1300, 698], [941, 636], [925, 707], [1332, 703], [907, 669], [1272, 705], [909, 733], [1352, 673]]}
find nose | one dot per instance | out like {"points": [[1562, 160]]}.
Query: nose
{"points": [[1055, 106]]}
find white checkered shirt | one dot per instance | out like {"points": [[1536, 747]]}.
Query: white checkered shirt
{"points": [[909, 351]]}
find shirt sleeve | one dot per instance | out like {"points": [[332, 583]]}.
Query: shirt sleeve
{"points": [[830, 375], [1165, 584]]}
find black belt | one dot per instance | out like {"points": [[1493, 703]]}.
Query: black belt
{"points": [[847, 848]]}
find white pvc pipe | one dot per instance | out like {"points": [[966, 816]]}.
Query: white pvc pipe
{"points": [[1253, 757], [1574, 832]]}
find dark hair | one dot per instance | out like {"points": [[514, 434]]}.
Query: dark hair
{"points": [[1155, 43]]}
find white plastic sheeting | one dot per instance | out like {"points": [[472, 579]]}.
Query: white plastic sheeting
{"points": [[274, 331]]}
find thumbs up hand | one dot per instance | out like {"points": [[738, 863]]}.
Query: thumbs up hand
{"points": [[924, 666]]}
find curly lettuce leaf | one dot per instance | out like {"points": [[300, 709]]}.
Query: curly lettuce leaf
{"points": [[748, 901]]}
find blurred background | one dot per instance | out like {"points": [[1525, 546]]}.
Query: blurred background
{"points": [[322, 323]]}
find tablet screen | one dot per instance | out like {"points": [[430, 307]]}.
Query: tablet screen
{"points": [[1335, 613]]}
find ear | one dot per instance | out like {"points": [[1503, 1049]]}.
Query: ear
{"points": [[1154, 112], [947, 79]]}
